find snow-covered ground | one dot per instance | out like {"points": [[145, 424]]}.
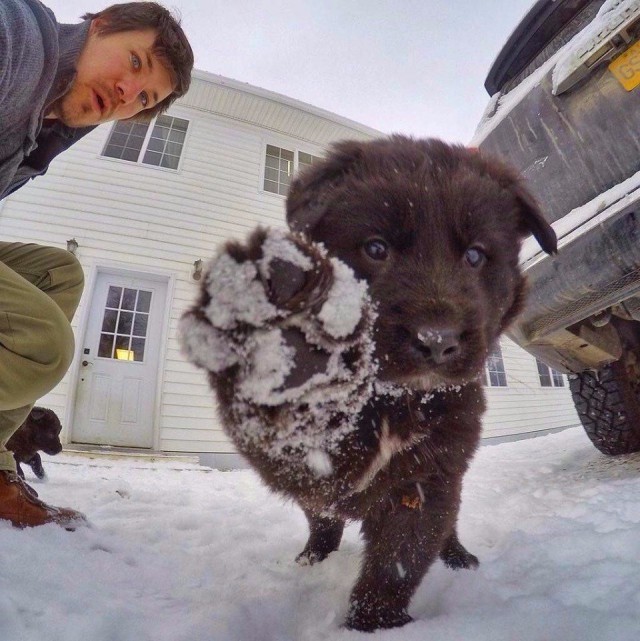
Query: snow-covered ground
{"points": [[178, 552]]}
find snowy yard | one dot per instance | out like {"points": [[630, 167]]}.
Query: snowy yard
{"points": [[179, 552]]}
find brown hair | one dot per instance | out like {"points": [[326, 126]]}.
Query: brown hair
{"points": [[171, 46]]}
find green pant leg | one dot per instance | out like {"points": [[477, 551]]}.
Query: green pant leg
{"points": [[40, 288], [10, 420]]}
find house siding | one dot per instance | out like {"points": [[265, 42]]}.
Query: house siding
{"points": [[524, 406], [152, 220]]}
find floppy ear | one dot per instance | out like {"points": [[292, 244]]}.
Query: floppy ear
{"points": [[533, 222], [37, 413], [310, 193], [531, 219]]}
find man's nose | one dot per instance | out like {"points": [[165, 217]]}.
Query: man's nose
{"points": [[128, 90]]}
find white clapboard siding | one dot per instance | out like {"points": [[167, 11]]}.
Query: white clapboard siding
{"points": [[152, 220], [524, 405]]}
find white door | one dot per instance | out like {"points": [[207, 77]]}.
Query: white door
{"points": [[115, 398]]}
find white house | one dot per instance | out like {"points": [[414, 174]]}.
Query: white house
{"points": [[145, 204]]}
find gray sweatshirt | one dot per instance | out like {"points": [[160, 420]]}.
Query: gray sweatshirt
{"points": [[37, 66]]}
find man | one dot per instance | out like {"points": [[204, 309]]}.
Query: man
{"points": [[57, 82]]}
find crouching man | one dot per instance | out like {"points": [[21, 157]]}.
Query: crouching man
{"points": [[57, 83]]}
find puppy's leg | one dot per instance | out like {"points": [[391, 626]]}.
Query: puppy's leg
{"points": [[456, 556], [324, 537], [19, 469], [401, 543], [35, 463]]}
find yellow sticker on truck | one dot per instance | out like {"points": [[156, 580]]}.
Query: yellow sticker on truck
{"points": [[626, 67]]}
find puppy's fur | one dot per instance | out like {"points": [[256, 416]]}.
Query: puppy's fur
{"points": [[39, 432], [435, 232]]}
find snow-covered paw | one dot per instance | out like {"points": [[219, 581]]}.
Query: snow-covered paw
{"points": [[204, 345], [297, 272]]}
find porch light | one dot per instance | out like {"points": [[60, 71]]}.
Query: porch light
{"points": [[197, 269]]}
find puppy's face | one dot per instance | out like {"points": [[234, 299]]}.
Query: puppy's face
{"points": [[435, 230], [44, 430]]}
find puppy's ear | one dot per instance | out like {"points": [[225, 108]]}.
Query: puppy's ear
{"points": [[38, 413], [531, 219], [533, 222], [310, 193]]}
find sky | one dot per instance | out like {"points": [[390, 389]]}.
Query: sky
{"points": [[179, 552], [400, 66]]}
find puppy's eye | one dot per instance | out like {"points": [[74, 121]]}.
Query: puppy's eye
{"points": [[475, 256], [377, 249]]}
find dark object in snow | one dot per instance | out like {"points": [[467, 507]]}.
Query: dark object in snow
{"points": [[362, 404], [564, 111], [40, 431]]}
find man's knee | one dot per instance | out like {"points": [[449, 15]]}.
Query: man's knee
{"points": [[41, 351], [66, 281]]}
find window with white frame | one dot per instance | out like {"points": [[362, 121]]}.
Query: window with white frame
{"points": [[495, 374], [162, 141], [549, 377], [280, 165]]}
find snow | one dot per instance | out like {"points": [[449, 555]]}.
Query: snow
{"points": [[179, 552], [342, 310], [610, 17], [610, 14], [236, 295]]}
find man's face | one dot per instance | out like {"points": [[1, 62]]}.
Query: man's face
{"points": [[117, 77]]}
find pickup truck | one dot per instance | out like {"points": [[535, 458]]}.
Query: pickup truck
{"points": [[564, 110]]}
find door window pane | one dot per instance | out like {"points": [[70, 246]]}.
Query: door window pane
{"points": [[105, 348], [109, 320], [137, 347], [125, 322], [124, 331], [129, 298], [144, 301], [113, 297], [140, 325]]}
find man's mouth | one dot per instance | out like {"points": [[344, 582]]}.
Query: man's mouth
{"points": [[100, 102]]}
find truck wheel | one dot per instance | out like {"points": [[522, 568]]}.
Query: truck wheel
{"points": [[608, 404]]}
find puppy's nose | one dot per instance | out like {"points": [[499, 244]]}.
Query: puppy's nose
{"points": [[438, 345]]}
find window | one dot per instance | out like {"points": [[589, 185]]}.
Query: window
{"points": [[549, 377], [280, 164], [124, 324], [495, 369], [162, 143]]}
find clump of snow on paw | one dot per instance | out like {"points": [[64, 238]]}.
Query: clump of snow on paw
{"points": [[271, 360], [319, 462], [204, 345], [236, 294], [278, 246], [342, 310]]}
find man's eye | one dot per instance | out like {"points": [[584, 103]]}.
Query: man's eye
{"points": [[135, 61], [144, 99]]}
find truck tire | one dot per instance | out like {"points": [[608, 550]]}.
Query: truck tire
{"points": [[608, 404]]}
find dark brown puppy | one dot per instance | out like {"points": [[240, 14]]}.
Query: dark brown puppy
{"points": [[39, 432], [434, 230]]}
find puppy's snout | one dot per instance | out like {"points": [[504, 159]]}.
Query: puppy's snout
{"points": [[438, 345]]}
